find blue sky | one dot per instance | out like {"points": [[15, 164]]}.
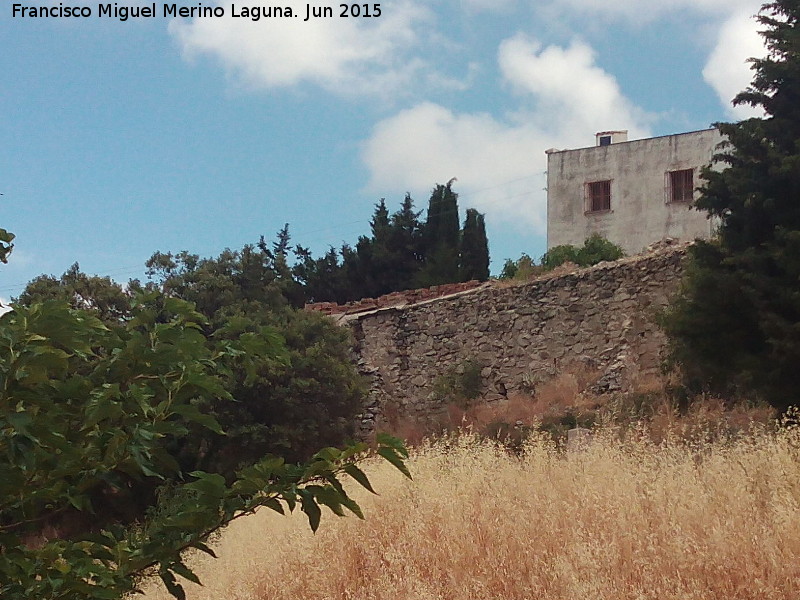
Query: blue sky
{"points": [[123, 138]]}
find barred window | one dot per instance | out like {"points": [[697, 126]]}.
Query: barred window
{"points": [[598, 196]]}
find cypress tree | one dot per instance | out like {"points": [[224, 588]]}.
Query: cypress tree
{"points": [[736, 328], [448, 233], [474, 248], [442, 237]]}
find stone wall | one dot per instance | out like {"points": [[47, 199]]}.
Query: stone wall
{"points": [[394, 299], [598, 319]]}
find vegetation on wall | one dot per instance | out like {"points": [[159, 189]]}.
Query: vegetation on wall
{"points": [[461, 383], [736, 327], [595, 249]]}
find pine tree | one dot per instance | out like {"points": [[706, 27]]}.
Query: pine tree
{"points": [[736, 328], [405, 241], [474, 248], [380, 222]]}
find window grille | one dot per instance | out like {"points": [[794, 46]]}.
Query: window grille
{"points": [[598, 195], [681, 185]]}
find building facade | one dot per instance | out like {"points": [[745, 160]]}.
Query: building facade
{"points": [[633, 193]]}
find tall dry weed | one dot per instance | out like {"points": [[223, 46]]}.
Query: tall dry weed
{"points": [[627, 519]]}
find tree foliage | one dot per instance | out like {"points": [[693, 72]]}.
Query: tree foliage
{"points": [[595, 249], [291, 404], [386, 261], [93, 492], [474, 259], [521, 269], [308, 398], [441, 237], [6, 237], [736, 326], [402, 252], [104, 297]]}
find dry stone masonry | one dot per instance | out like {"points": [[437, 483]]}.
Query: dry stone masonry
{"points": [[599, 319]]}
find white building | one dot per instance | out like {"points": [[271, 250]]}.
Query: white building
{"points": [[633, 193]]}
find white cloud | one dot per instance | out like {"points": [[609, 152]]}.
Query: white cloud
{"points": [[4, 307], [348, 56], [428, 143], [500, 163], [727, 69], [729, 23], [572, 94]]}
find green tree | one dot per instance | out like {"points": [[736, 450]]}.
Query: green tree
{"points": [[405, 241], [441, 235], [290, 407], [106, 298], [89, 415], [308, 398], [324, 278], [6, 237], [400, 253], [474, 257], [370, 271], [386, 261], [736, 326]]}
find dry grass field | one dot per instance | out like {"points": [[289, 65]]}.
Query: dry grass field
{"points": [[624, 519]]}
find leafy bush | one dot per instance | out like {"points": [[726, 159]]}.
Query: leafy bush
{"points": [[461, 383], [290, 403], [521, 270], [595, 249], [292, 406], [558, 255], [93, 492]]}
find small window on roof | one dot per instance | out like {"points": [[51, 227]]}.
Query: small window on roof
{"points": [[680, 185], [598, 196], [605, 140]]}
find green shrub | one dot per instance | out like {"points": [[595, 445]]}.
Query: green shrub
{"points": [[597, 249], [594, 250], [558, 255], [523, 269], [461, 383], [92, 419]]}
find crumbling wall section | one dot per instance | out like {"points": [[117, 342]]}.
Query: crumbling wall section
{"points": [[599, 319]]}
